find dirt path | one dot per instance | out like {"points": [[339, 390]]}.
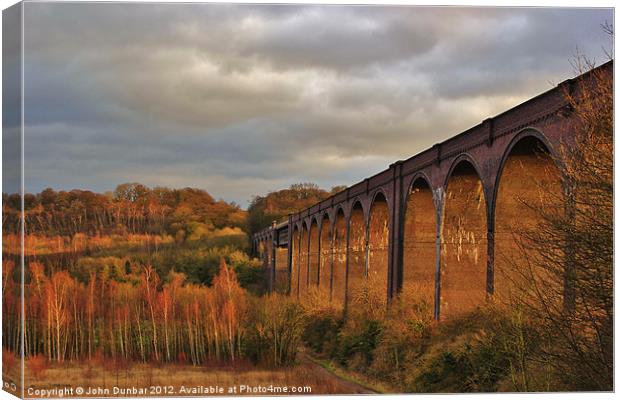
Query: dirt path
{"points": [[325, 374]]}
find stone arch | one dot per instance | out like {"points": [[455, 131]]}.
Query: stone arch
{"points": [[358, 202], [531, 134], [325, 257], [380, 192], [339, 270], [463, 278], [420, 244], [358, 243], [378, 247], [528, 181]]}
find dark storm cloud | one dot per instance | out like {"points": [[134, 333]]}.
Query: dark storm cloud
{"points": [[240, 100]]}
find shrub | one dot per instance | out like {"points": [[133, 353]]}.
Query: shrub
{"points": [[321, 331], [473, 363], [9, 361], [274, 331], [356, 344], [407, 325], [323, 321], [37, 365]]}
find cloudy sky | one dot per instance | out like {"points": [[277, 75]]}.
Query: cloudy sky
{"points": [[242, 100]]}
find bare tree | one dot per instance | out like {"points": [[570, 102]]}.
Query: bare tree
{"points": [[568, 263]]}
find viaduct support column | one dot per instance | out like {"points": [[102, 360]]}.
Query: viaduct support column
{"points": [[439, 200], [264, 254], [490, 255], [489, 124], [289, 255], [346, 265], [395, 241], [272, 266]]}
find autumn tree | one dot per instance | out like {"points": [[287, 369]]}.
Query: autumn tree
{"points": [[132, 208], [275, 206]]}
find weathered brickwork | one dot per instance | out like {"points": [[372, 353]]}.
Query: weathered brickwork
{"points": [[313, 255], [529, 182], [282, 278], [325, 259], [304, 246], [378, 251], [339, 276], [463, 242], [419, 244], [441, 225], [294, 250], [357, 252]]}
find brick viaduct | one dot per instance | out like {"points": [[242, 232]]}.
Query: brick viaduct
{"points": [[439, 224]]}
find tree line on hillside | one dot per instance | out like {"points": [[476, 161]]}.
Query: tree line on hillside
{"points": [[276, 206], [132, 208]]}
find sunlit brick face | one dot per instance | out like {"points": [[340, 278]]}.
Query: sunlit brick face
{"points": [[325, 264], [463, 243], [282, 274], [313, 255], [261, 249], [357, 252], [295, 263], [303, 263], [419, 245], [529, 183], [378, 237], [340, 260]]}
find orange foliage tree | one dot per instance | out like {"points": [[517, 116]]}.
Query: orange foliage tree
{"points": [[143, 319]]}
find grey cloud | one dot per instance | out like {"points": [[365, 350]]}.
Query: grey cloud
{"points": [[244, 99], [342, 38]]}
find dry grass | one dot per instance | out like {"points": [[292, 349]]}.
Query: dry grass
{"points": [[140, 375]]}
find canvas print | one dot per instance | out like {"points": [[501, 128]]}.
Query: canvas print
{"points": [[301, 199]]}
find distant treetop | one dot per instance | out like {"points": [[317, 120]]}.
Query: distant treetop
{"points": [[276, 206]]}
